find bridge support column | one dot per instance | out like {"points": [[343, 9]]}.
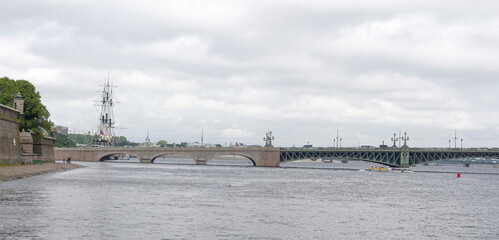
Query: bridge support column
{"points": [[269, 157], [404, 157]]}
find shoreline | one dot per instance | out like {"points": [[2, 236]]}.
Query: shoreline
{"points": [[9, 173]]}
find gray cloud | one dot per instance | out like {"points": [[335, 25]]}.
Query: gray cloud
{"points": [[239, 68]]}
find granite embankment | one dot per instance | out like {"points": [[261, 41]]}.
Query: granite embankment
{"points": [[20, 171]]}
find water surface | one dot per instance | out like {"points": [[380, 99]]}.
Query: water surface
{"points": [[113, 200]]}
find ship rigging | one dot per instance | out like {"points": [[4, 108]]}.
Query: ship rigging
{"points": [[105, 131]]}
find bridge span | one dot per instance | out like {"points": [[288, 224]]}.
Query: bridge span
{"points": [[271, 157], [396, 157], [260, 157]]}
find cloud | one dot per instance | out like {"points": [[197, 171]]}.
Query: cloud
{"points": [[237, 69], [237, 133]]}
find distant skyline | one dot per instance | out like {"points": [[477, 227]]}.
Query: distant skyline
{"points": [[236, 69]]}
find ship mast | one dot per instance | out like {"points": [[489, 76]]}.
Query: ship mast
{"points": [[106, 118]]}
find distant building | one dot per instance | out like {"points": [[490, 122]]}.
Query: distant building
{"points": [[61, 130]]}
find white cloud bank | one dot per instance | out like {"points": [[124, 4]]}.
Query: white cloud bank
{"points": [[239, 68]]}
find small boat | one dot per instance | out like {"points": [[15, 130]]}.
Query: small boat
{"points": [[378, 169]]}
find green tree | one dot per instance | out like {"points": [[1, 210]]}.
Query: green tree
{"points": [[64, 141], [122, 141], [36, 115], [7, 90], [162, 143], [81, 138]]}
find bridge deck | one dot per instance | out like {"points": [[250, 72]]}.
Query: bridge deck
{"points": [[390, 157]]}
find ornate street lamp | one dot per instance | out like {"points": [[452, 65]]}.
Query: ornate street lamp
{"points": [[268, 139], [405, 138], [395, 139]]}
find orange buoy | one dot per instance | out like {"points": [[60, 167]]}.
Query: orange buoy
{"points": [[458, 175]]}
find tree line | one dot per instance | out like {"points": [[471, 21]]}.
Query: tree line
{"points": [[74, 140]]}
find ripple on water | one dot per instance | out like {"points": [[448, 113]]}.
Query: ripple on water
{"points": [[164, 201]]}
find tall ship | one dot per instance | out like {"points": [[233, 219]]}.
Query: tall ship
{"points": [[105, 130]]}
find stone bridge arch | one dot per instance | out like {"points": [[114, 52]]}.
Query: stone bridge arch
{"points": [[250, 157], [153, 157], [102, 155]]}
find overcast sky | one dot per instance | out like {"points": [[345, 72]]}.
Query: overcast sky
{"points": [[236, 69]]}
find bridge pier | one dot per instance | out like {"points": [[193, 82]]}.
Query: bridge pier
{"points": [[145, 160], [404, 157]]}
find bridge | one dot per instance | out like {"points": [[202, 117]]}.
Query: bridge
{"points": [[396, 157], [271, 157], [260, 157]]}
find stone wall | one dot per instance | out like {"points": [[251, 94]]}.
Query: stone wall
{"points": [[15, 147], [42, 149], [37, 149], [10, 144], [26, 143]]}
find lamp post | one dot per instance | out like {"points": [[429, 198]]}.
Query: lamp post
{"points": [[405, 138], [395, 139], [461, 144], [334, 143], [449, 143], [337, 136], [340, 142], [268, 139]]}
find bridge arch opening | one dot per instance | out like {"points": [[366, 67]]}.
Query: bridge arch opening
{"points": [[173, 158], [119, 157], [231, 160]]}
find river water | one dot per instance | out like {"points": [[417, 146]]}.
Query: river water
{"points": [[112, 200]]}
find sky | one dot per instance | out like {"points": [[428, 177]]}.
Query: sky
{"points": [[234, 70]]}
